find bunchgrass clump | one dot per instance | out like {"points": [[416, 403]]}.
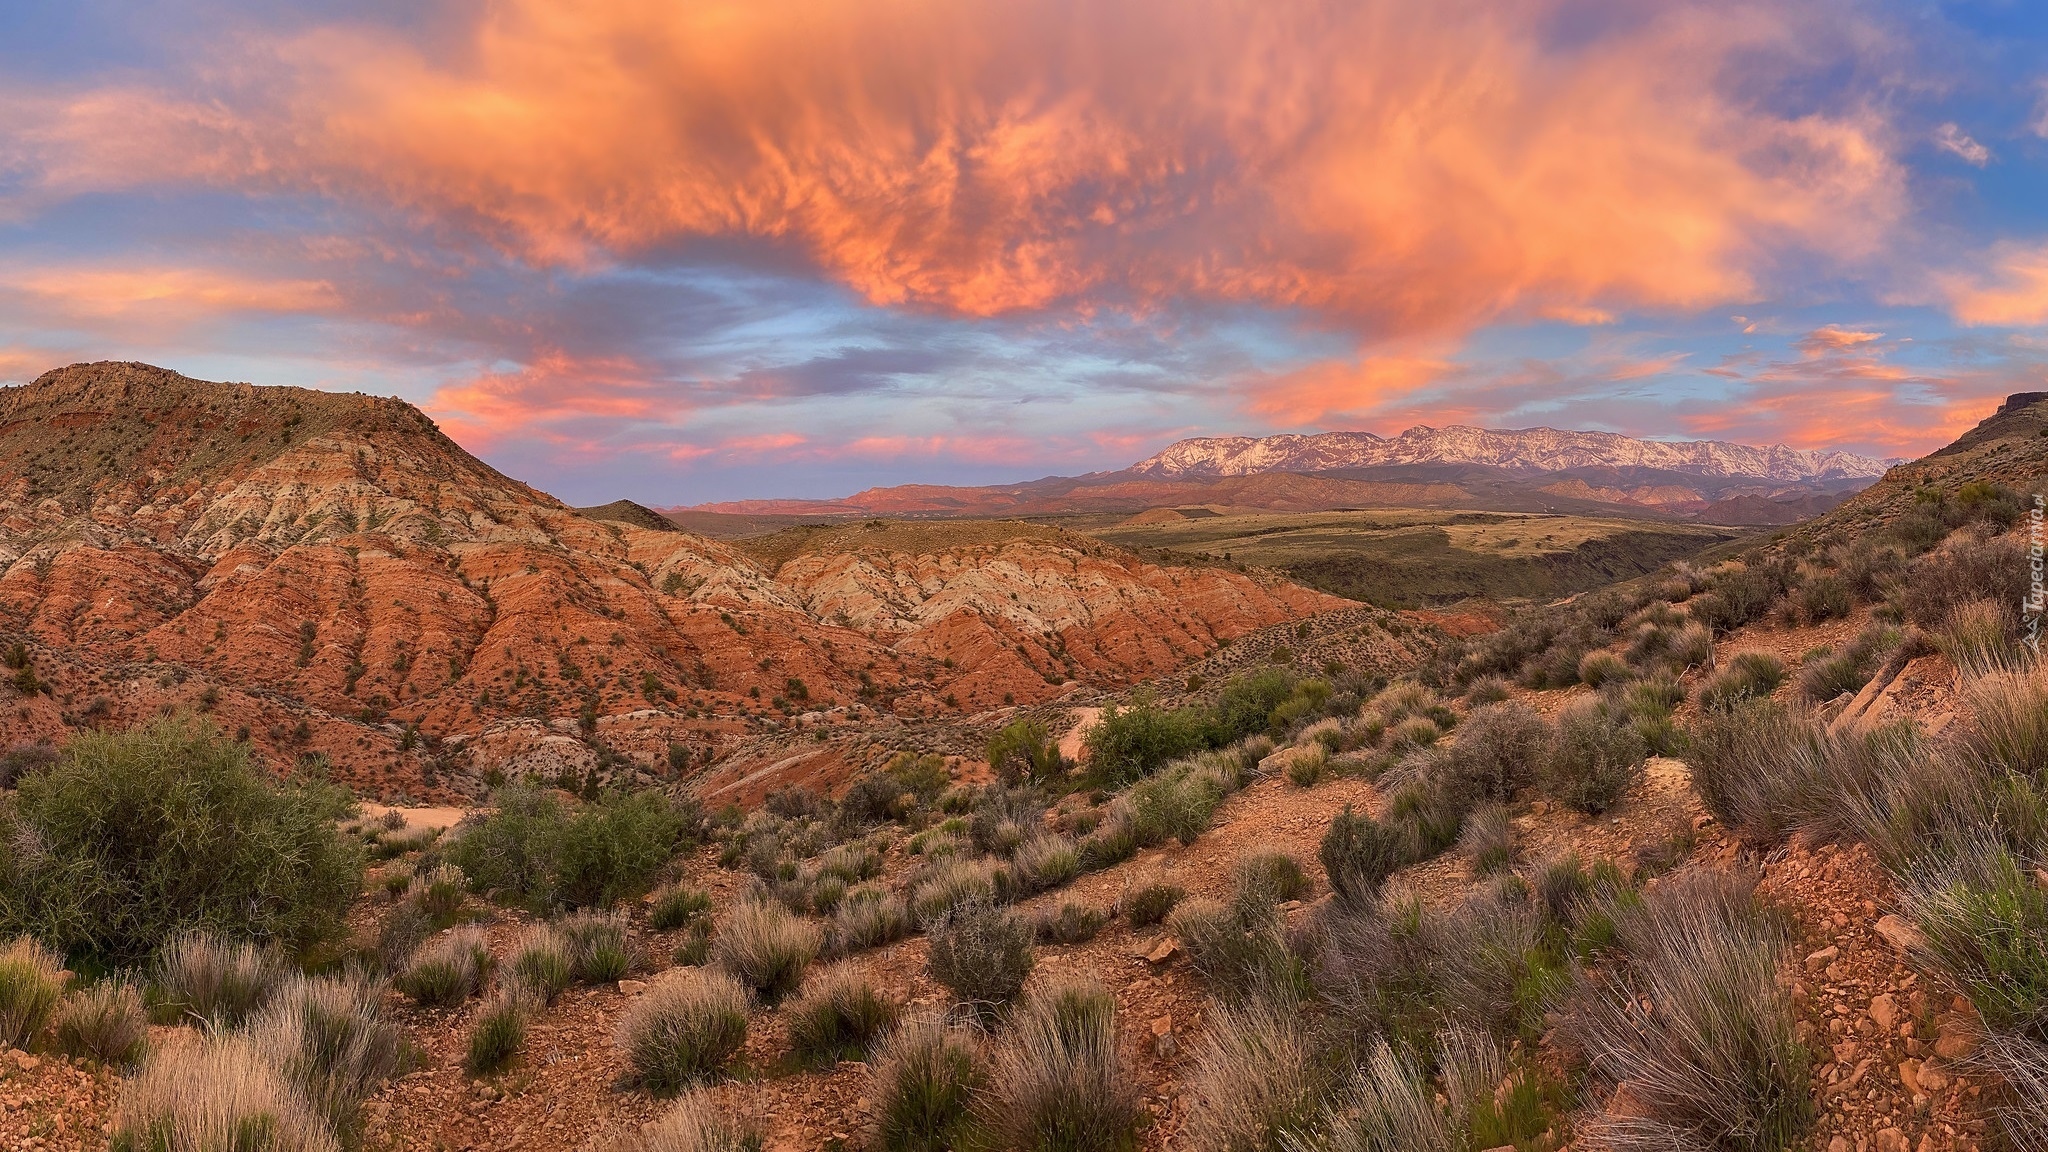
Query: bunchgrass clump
{"points": [[600, 946], [204, 979], [1257, 1078], [678, 906], [1062, 1079], [104, 1022], [982, 954], [31, 984], [1747, 676], [1358, 854], [439, 893], [330, 1038], [1046, 861], [1071, 922], [497, 1034], [1848, 668], [1269, 877], [543, 963], [925, 1077], [1149, 898], [766, 947], [684, 1030], [868, 918], [223, 1092], [1487, 690], [1236, 947], [1488, 840], [447, 969], [1985, 920], [839, 1016], [952, 881], [696, 1123]]}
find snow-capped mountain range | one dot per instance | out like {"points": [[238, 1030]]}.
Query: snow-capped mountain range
{"points": [[1522, 449]]}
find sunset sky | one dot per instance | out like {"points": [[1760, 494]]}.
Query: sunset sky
{"points": [[693, 251]]}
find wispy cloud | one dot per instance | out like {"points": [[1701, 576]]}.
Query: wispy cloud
{"points": [[1953, 140]]}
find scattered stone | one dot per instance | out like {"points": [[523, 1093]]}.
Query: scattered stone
{"points": [[1164, 951], [632, 987], [1898, 933], [1821, 959], [1957, 1040], [1884, 1012], [1892, 1140], [1162, 1025]]}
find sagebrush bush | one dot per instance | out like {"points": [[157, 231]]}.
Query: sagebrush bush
{"points": [[677, 906], [497, 1034], [840, 1014], [1148, 898], [1496, 753], [1596, 758], [207, 980], [144, 835], [1071, 922], [1062, 1079], [31, 984], [1747, 676], [1487, 690], [1717, 1057], [543, 963], [220, 1093], [925, 1078], [982, 954], [683, 1031], [1823, 597], [1961, 572], [600, 946], [766, 947], [1257, 1078], [330, 1038], [105, 1022], [447, 969], [1024, 751]]}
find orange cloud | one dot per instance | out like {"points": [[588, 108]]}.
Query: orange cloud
{"points": [[89, 293], [1405, 167], [1310, 395], [2015, 294], [1832, 338], [553, 393]]}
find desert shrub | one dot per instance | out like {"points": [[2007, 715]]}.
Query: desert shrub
{"points": [[1594, 760], [1488, 840], [330, 1038], [683, 1031], [1412, 733], [954, 881], [867, 918], [1497, 751], [1113, 840], [1748, 675], [22, 758], [1965, 571], [1072, 922], [1824, 597], [104, 1022], [1178, 805], [1148, 898], [1848, 668], [1690, 647], [1358, 854], [1269, 876], [1599, 668], [1125, 744], [1979, 636], [1257, 1079], [925, 1078], [766, 947], [31, 984], [1487, 690], [1738, 596], [447, 970], [1045, 861], [981, 952], [1665, 850], [696, 1123], [543, 963], [839, 1015], [221, 1093], [1247, 703], [201, 978], [130, 839], [1024, 751], [404, 928], [533, 851], [676, 906], [1484, 968], [497, 1034], [600, 950], [1062, 1082], [1756, 767], [1717, 1062]]}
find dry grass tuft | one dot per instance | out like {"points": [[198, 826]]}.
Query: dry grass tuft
{"points": [[1061, 1079], [222, 1092], [31, 984], [684, 1030]]}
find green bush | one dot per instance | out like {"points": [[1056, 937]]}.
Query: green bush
{"points": [[1127, 744], [143, 835], [1023, 751], [534, 851]]}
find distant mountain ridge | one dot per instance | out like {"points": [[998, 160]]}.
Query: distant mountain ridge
{"points": [[1522, 449]]}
